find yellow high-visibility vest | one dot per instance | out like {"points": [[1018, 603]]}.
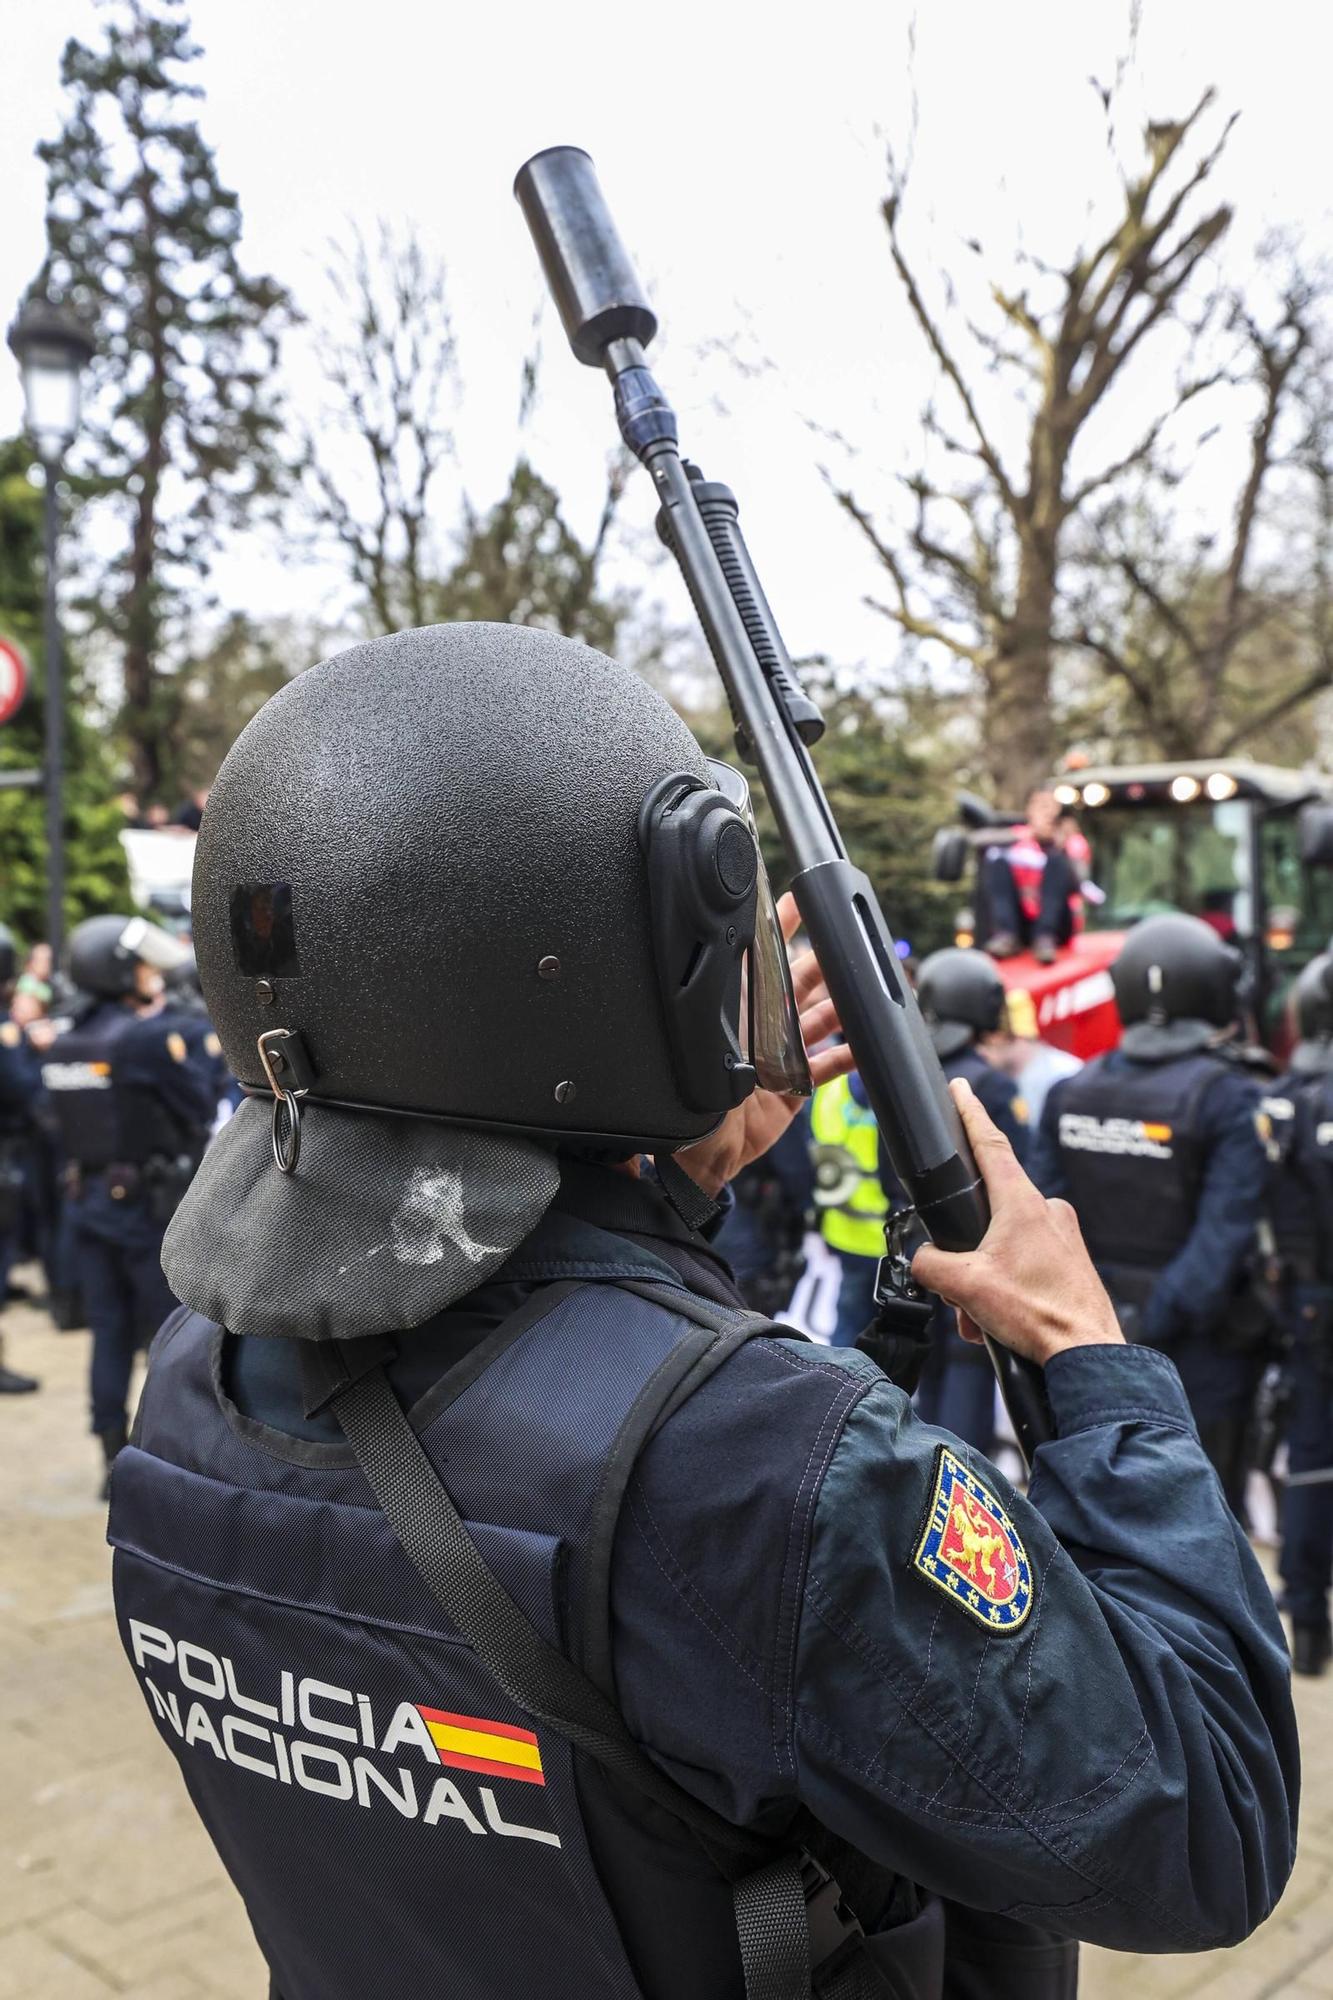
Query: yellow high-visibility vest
{"points": [[854, 1221]]}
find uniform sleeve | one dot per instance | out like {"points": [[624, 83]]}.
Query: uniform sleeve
{"points": [[1043, 1162], [1122, 1765], [1194, 1288]]}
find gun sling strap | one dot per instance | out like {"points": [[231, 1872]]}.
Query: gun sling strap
{"points": [[795, 1934]]}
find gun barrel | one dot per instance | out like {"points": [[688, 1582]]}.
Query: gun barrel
{"points": [[587, 267], [609, 322]]}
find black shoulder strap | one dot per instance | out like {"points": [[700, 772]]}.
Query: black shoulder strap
{"points": [[778, 1899]]}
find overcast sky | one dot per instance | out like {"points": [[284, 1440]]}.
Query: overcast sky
{"points": [[742, 148]]}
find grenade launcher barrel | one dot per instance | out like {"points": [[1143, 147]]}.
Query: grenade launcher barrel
{"points": [[610, 324]]}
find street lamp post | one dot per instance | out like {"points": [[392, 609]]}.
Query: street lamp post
{"points": [[52, 350]]}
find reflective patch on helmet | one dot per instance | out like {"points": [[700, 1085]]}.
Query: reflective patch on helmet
{"points": [[263, 931], [970, 1550]]}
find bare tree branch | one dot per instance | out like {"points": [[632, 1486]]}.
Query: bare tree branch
{"points": [[989, 456]]}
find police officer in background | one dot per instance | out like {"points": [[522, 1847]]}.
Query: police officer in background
{"points": [[1156, 1146], [963, 1001], [509, 1596], [20, 1090], [1296, 1120], [852, 1200], [133, 1112]]}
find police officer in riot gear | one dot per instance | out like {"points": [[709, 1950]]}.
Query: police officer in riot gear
{"points": [[20, 1089], [963, 1001], [509, 1597], [1156, 1147], [132, 1110], [1296, 1122]]}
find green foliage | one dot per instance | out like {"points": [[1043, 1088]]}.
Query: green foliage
{"points": [[96, 878], [521, 564], [888, 792], [143, 242]]}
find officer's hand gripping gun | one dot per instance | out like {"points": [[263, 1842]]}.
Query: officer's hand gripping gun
{"points": [[610, 324]]}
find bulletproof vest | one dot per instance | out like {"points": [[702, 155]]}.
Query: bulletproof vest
{"points": [[102, 1118], [322, 1705], [77, 1076], [1298, 1125], [1132, 1158]]}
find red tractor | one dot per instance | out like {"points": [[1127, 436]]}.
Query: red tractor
{"points": [[1247, 847]]}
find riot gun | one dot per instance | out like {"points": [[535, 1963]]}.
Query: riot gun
{"points": [[610, 325]]}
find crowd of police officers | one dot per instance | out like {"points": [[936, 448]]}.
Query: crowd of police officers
{"points": [[107, 1100], [368, 1296], [1203, 1188], [1204, 1191]]}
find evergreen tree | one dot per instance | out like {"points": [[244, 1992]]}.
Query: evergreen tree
{"points": [[890, 788], [143, 242], [521, 564], [95, 875]]}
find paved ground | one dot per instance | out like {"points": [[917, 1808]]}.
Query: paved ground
{"points": [[106, 1884]]}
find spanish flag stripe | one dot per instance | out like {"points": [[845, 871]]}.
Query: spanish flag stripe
{"points": [[486, 1727], [490, 1767], [477, 1743]]}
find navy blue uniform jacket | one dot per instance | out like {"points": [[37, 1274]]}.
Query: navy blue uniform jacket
{"points": [[1122, 1767]]}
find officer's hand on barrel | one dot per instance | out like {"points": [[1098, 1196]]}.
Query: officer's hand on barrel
{"points": [[760, 1122], [1030, 1282]]}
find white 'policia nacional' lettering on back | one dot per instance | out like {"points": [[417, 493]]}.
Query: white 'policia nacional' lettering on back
{"points": [[258, 1736], [1080, 1132]]}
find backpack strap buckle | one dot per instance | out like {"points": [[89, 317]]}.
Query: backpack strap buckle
{"points": [[831, 1925]]}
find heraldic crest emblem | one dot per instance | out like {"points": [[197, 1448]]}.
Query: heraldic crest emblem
{"points": [[970, 1550]]}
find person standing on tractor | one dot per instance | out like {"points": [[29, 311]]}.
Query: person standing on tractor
{"points": [[1027, 888]]}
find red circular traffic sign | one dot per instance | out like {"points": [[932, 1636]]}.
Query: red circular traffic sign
{"points": [[13, 680]]}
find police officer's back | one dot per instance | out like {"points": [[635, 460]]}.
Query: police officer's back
{"points": [[459, 1396], [20, 1091], [1296, 1119], [132, 1108], [1156, 1147]]}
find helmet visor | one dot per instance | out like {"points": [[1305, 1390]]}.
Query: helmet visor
{"points": [[151, 945], [770, 1026]]}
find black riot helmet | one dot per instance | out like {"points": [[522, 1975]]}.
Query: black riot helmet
{"points": [[483, 874], [104, 951], [1312, 999], [962, 996], [1175, 985], [9, 956]]}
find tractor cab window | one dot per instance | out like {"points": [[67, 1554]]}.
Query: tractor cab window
{"points": [[1298, 900], [1192, 858]]}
